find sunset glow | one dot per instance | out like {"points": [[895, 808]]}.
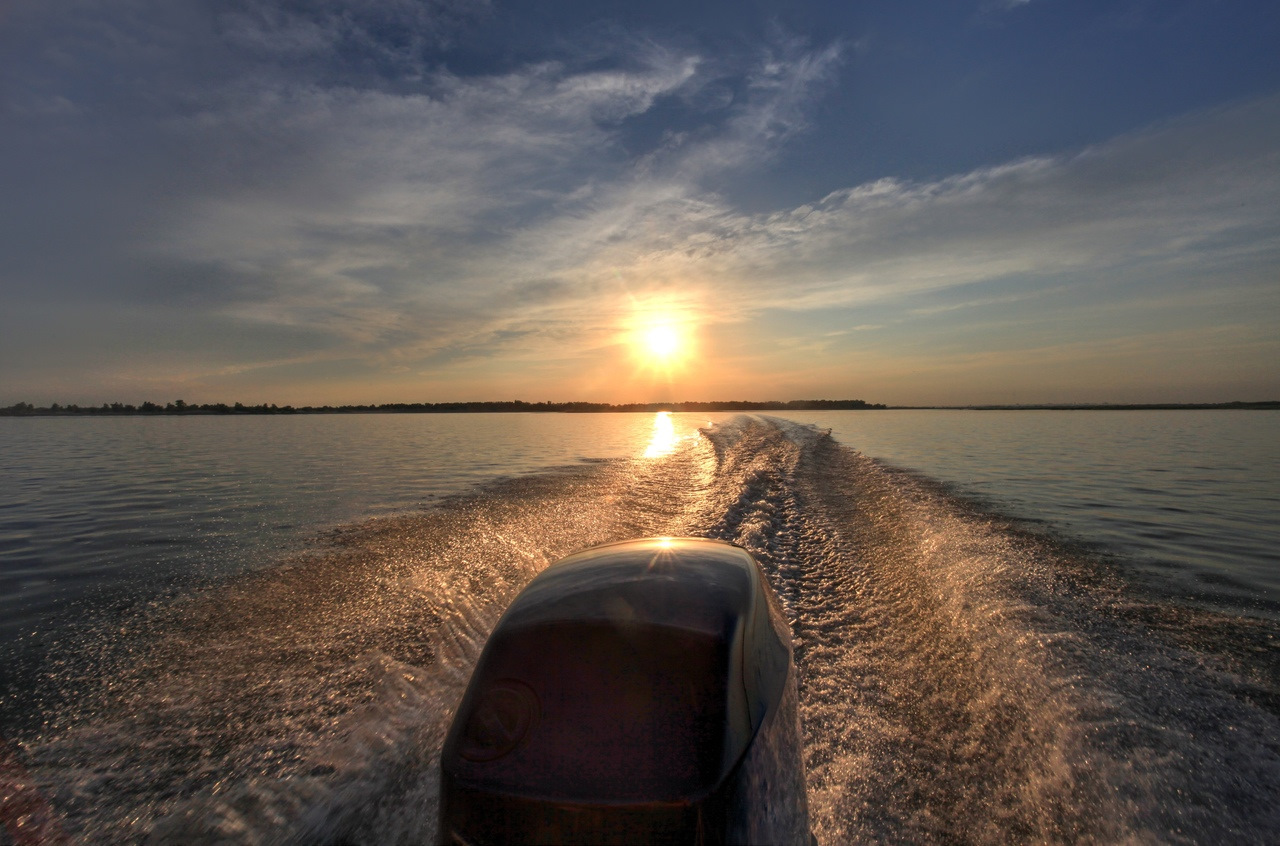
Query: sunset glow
{"points": [[447, 202], [660, 336], [663, 342]]}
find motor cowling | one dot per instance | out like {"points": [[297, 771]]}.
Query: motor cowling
{"points": [[638, 692]]}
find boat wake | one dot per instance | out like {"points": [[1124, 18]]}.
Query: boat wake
{"points": [[961, 679]]}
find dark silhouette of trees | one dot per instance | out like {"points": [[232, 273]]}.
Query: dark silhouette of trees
{"points": [[180, 407]]}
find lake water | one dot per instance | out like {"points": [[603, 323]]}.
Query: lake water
{"points": [[1191, 499], [127, 505], [1010, 625]]}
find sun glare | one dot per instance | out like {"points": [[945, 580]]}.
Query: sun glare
{"points": [[663, 341]]}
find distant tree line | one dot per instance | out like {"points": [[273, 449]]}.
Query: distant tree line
{"points": [[26, 409], [1151, 406]]}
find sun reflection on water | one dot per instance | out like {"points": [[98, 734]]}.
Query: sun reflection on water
{"points": [[664, 439]]}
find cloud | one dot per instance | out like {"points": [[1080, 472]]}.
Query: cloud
{"points": [[779, 91], [1164, 234], [1191, 194], [310, 185], [387, 35], [403, 222], [1004, 5]]}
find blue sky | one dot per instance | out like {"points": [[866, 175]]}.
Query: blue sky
{"points": [[914, 203]]}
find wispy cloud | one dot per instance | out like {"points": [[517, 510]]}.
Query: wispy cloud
{"points": [[1194, 193], [1005, 5], [389, 36], [326, 193]]}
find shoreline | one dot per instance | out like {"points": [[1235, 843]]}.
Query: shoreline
{"points": [[517, 406]]}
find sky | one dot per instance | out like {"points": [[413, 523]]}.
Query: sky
{"points": [[369, 201]]}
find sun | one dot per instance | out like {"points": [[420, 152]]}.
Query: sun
{"points": [[660, 336], [662, 342]]}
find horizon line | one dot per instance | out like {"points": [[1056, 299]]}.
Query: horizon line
{"points": [[180, 407]]}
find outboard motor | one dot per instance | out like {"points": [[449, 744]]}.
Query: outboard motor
{"points": [[638, 692]]}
